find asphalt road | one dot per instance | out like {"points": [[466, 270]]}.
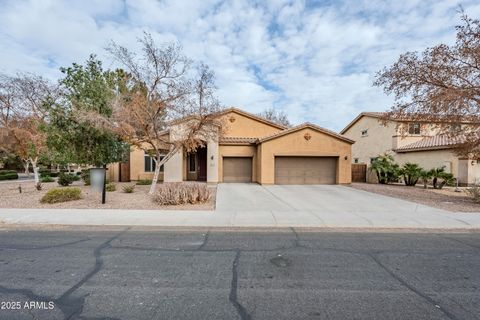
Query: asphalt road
{"points": [[140, 274]]}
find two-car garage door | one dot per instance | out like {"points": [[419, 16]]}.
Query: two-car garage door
{"points": [[288, 170], [305, 170]]}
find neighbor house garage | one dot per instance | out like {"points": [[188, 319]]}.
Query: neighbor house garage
{"points": [[253, 149]]}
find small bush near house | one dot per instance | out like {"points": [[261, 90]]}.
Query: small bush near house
{"points": [[8, 175], [182, 193], [128, 188], [85, 175], [475, 193], [111, 187], [144, 182], [56, 195], [441, 178], [45, 179], [411, 173], [386, 169], [65, 179]]}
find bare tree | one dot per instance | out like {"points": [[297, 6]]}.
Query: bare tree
{"points": [[440, 85], [276, 116], [22, 113], [155, 92]]}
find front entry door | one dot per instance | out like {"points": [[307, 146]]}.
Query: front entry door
{"points": [[202, 164]]}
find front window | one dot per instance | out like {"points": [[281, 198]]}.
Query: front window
{"points": [[149, 163], [456, 127], [191, 163], [414, 128]]}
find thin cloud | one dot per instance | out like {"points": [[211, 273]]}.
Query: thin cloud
{"points": [[314, 60]]}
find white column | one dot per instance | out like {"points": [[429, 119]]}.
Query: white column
{"points": [[212, 161]]}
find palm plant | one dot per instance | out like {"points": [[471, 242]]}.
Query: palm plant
{"points": [[411, 173], [385, 168], [425, 175], [439, 173]]}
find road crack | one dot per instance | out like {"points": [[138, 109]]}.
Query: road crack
{"points": [[412, 288], [233, 297]]}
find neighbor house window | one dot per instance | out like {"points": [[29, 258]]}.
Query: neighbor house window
{"points": [[456, 127], [149, 163], [414, 128], [355, 160], [365, 133], [191, 163]]}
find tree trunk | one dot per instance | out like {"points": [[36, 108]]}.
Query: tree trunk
{"points": [[158, 164], [35, 170], [26, 165]]}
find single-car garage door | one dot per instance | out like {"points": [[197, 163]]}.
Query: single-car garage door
{"points": [[237, 169], [305, 170]]}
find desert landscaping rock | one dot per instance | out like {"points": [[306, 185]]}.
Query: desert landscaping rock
{"points": [[139, 199], [446, 199]]}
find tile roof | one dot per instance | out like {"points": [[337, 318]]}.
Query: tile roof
{"points": [[238, 140], [431, 143]]}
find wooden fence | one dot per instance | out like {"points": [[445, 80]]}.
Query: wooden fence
{"points": [[359, 172]]}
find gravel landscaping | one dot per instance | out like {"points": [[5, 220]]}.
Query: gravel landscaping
{"points": [[446, 198], [139, 199]]}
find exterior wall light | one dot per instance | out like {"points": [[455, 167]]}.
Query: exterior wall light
{"points": [[346, 158]]}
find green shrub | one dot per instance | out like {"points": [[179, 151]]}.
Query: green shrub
{"points": [[411, 172], [7, 171], [61, 195], [10, 175], [128, 188], [46, 179], [441, 178], [144, 182], [111, 187], [85, 175], [65, 179], [182, 193], [54, 174], [385, 168]]}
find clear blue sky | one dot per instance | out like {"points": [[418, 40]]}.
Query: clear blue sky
{"points": [[315, 60]]}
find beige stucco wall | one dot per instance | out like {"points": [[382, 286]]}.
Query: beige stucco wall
{"points": [[469, 172], [294, 143], [243, 126], [430, 159], [377, 141], [174, 168], [137, 166], [237, 151]]}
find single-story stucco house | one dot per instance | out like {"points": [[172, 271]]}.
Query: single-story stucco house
{"points": [[251, 149], [416, 142]]}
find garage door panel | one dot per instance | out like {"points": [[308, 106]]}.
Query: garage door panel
{"points": [[237, 169], [305, 170]]}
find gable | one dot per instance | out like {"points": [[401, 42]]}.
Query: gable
{"points": [[242, 125], [307, 141]]}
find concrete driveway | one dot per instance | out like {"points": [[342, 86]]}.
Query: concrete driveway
{"points": [[327, 206]]}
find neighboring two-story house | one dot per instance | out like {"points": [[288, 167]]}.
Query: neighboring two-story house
{"points": [[251, 149], [414, 142]]}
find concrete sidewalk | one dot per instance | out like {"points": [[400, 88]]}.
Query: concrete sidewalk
{"points": [[422, 218]]}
